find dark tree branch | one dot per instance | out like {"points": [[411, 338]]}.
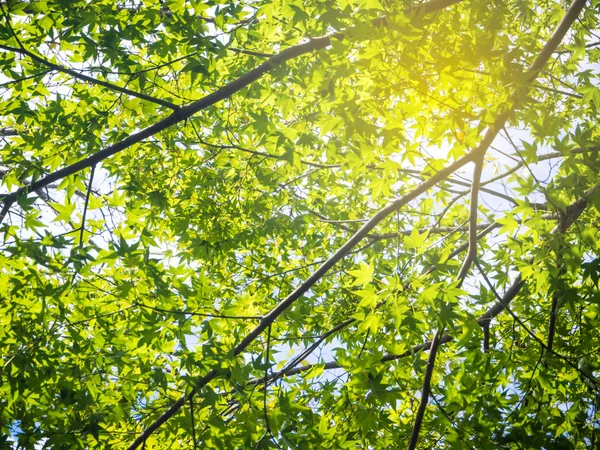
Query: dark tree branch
{"points": [[576, 209], [565, 220], [8, 132], [268, 155], [546, 157], [5, 208], [194, 313], [532, 72], [39, 192], [85, 206], [466, 184], [331, 365], [516, 318], [558, 91], [472, 252], [290, 369], [439, 334], [226, 91], [435, 344], [82, 77], [18, 80]]}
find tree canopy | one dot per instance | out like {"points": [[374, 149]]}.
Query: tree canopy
{"points": [[299, 224]]}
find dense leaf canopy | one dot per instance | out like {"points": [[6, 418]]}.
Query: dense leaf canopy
{"points": [[299, 224]]}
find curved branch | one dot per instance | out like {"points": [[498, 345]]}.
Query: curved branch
{"points": [[539, 62], [472, 253], [230, 89]]}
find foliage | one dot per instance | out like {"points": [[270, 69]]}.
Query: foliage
{"points": [[173, 171]]}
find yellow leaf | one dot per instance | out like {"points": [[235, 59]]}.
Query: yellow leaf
{"points": [[363, 276]]}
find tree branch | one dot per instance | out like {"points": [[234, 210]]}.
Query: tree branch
{"points": [[484, 320], [85, 206], [226, 91], [435, 344], [8, 132], [576, 209], [331, 365], [544, 347], [290, 367], [86, 78], [531, 74], [472, 253]]}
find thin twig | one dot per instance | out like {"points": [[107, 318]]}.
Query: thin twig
{"points": [[193, 424], [249, 52], [193, 313], [85, 206]]}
